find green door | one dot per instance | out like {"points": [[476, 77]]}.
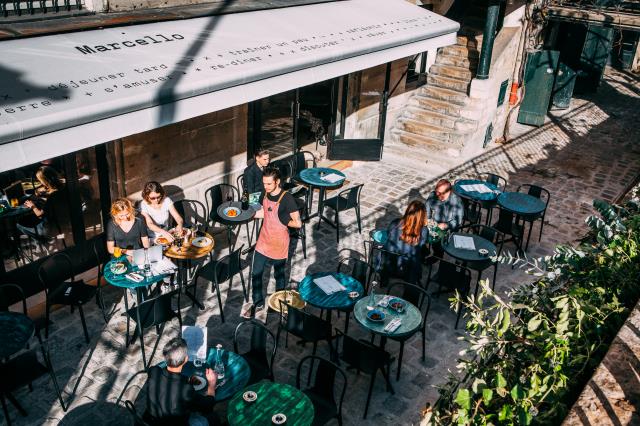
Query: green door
{"points": [[539, 76], [594, 56], [563, 87]]}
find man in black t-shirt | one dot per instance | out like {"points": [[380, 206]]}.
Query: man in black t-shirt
{"points": [[280, 212]]}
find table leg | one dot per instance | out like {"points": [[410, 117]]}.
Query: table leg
{"points": [[126, 312], [320, 206], [182, 279]]}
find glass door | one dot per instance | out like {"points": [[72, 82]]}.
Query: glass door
{"points": [[360, 109]]}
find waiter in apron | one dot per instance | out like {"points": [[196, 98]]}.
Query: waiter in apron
{"points": [[279, 212]]}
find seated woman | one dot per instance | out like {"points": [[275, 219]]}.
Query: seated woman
{"points": [[156, 208], [408, 236], [125, 230], [47, 206]]}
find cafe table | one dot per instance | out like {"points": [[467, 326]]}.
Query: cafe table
{"points": [[184, 255], [473, 258], [315, 178], [16, 329], [523, 206], [236, 373], [243, 218], [272, 398], [120, 280], [486, 199], [311, 293]]}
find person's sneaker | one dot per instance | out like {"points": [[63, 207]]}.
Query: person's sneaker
{"points": [[261, 313], [245, 311]]}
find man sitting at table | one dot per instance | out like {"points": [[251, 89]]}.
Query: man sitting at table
{"points": [[446, 209], [253, 173], [171, 399]]}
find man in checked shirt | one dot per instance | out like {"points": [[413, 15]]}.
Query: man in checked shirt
{"points": [[446, 209]]}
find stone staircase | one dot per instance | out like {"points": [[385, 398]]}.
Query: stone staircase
{"points": [[439, 115]]}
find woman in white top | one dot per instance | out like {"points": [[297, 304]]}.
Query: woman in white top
{"points": [[156, 208]]}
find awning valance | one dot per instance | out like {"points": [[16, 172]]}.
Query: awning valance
{"points": [[66, 92]]}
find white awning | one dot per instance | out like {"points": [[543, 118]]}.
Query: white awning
{"points": [[65, 92]]}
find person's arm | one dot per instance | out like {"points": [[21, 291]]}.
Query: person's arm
{"points": [[34, 208], [111, 246], [456, 214], [203, 403], [295, 221], [111, 238], [176, 216], [144, 233], [155, 228]]}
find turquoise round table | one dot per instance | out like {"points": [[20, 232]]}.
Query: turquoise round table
{"points": [[236, 373], [521, 204], [273, 398], [475, 195], [314, 178], [411, 318], [15, 331]]}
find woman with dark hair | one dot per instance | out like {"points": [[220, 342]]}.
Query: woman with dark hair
{"points": [[408, 237], [48, 205], [156, 208]]}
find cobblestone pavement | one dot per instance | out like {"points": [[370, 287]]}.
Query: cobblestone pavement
{"points": [[591, 151]]}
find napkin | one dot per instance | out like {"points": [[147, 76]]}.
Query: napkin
{"points": [[135, 277], [393, 325], [332, 177], [164, 266], [329, 284]]}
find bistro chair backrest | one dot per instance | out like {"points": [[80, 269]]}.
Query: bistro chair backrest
{"points": [[137, 420], [413, 294], [302, 324], [362, 355], [451, 275], [228, 266], [240, 183], [472, 210], [157, 310], [359, 269], [286, 168], [489, 233], [129, 382], [99, 246], [496, 180], [218, 194], [324, 382], [536, 191], [55, 270], [193, 212], [10, 293], [352, 195], [302, 160], [258, 343]]}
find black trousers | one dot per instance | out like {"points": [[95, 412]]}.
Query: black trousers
{"points": [[261, 261]]}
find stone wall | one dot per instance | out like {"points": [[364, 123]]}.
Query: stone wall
{"points": [[187, 157]]}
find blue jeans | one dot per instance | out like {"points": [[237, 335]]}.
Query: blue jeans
{"points": [[260, 261]]}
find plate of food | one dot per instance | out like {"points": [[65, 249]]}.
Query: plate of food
{"points": [[162, 241], [397, 305], [119, 268], [375, 315], [178, 234], [198, 382], [201, 242], [231, 211]]}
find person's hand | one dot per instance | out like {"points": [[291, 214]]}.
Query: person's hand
{"points": [[179, 229], [212, 378], [442, 226], [167, 235], [29, 204]]}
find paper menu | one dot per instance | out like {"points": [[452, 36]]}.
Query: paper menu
{"points": [[476, 187], [329, 284], [196, 338], [332, 177], [164, 266], [464, 243]]}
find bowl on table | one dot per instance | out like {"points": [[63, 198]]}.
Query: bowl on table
{"points": [[201, 242], [483, 252], [375, 315], [249, 396], [231, 211], [162, 241], [118, 268], [198, 382], [397, 305]]}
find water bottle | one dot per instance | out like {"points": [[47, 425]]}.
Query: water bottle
{"points": [[147, 265], [219, 366], [372, 295], [245, 200]]}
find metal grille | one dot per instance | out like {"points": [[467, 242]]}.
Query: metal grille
{"points": [[622, 6], [25, 8]]}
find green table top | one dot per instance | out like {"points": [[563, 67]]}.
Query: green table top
{"points": [[120, 280], [314, 295], [313, 176], [411, 318], [273, 398], [15, 331]]}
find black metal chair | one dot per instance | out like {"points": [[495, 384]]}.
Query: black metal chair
{"points": [[53, 274], [508, 224], [305, 326], [301, 233], [22, 371], [497, 180], [322, 393], [102, 256], [286, 168], [543, 194], [240, 184], [13, 293], [367, 358], [221, 270], [453, 277], [357, 268], [472, 212], [345, 200], [419, 297], [389, 264], [303, 160], [216, 195], [155, 312], [193, 212], [258, 357], [137, 419], [497, 238]]}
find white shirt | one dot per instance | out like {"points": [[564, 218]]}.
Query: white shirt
{"points": [[159, 216]]}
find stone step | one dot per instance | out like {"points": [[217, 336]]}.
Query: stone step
{"points": [[450, 83], [435, 118], [472, 41], [436, 147], [452, 71], [456, 50], [431, 131], [417, 156], [443, 107], [457, 61], [446, 95]]}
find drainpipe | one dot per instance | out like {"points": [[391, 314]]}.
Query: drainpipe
{"points": [[488, 37]]}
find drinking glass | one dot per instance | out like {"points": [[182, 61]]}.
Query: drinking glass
{"points": [[117, 252]]}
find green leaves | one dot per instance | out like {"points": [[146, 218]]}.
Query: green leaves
{"points": [[463, 399], [534, 323]]}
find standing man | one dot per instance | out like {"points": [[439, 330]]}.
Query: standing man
{"points": [[446, 208], [279, 212], [253, 173]]}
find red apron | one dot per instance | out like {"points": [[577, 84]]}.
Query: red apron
{"points": [[273, 241]]}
